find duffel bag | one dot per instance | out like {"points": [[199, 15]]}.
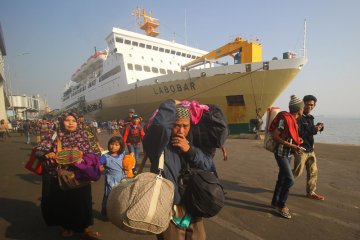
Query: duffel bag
{"points": [[142, 204], [202, 193]]}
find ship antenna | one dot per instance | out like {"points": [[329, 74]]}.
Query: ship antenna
{"points": [[304, 46], [185, 29], [148, 24]]}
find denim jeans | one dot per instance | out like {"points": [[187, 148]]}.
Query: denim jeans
{"points": [[135, 148], [284, 182]]}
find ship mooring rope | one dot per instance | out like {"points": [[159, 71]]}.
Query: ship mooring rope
{"points": [[253, 92], [257, 109]]}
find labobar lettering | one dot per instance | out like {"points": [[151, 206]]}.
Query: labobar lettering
{"points": [[172, 88]]}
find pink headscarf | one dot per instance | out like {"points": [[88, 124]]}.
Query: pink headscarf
{"points": [[196, 110]]}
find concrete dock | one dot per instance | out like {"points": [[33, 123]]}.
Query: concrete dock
{"points": [[248, 178]]}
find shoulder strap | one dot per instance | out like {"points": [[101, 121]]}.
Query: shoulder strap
{"points": [[160, 166], [161, 162], [54, 136], [59, 145]]}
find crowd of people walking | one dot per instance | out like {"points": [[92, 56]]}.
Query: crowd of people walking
{"points": [[168, 131]]}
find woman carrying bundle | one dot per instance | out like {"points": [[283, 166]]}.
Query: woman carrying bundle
{"points": [[69, 209]]}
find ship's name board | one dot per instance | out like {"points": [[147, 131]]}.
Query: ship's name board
{"points": [[174, 88]]}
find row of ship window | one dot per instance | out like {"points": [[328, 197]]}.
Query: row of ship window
{"points": [[138, 67], [79, 90], [116, 70], [155, 48]]}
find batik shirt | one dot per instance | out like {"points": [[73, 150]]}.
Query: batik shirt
{"points": [[92, 138]]}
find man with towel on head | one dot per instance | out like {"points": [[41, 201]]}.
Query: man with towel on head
{"points": [[169, 132]]}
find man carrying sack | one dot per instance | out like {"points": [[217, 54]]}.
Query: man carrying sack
{"points": [[169, 132]]}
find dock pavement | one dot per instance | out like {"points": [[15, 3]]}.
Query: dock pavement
{"points": [[248, 178]]}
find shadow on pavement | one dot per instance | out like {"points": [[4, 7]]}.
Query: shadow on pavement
{"points": [[299, 195], [253, 206], [24, 221], [30, 177], [26, 148], [236, 186]]}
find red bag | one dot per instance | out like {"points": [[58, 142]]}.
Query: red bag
{"points": [[33, 164]]}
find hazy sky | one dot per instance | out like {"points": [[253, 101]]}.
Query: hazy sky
{"points": [[46, 41]]}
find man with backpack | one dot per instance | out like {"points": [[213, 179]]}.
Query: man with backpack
{"points": [[133, 136], [169, 132], [307, 130], [284, 131]]}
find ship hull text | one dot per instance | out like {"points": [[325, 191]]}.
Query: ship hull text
{"points": [[173, 88]]}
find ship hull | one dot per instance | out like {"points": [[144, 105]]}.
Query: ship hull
{"points": [[239, 94]]}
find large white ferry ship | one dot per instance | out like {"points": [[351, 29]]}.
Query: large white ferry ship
{"points": [[140, 71]]}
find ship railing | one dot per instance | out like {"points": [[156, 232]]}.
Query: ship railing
{"points": [[91, 77], [197, 64], [204, 62], [221, 63]]}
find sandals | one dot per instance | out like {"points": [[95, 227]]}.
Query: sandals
{"points": [[91, 235], [316, 197], [65, 233], [284, 212]]}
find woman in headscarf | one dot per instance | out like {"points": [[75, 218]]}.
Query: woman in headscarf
{"points": [[72, 209]]}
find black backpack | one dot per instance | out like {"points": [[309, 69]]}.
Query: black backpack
{"points": [[202, 193], [211, 131]]}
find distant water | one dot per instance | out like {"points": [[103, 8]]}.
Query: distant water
{"points": [[339, 130]]}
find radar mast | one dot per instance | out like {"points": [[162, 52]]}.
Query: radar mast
{"points": [[148, 22]]}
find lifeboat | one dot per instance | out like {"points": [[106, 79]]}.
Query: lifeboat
{"points": [[96, 60], [93, 63]]}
